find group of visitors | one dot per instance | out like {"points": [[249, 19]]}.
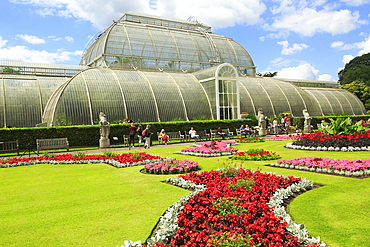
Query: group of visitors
{"points": [[246, 131], [143, 135]]}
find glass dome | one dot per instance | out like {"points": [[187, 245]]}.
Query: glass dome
{"points": [[151, 68], [146, 42]]}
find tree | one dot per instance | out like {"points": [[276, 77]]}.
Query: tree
{"points": [[268, 74], [11, 70], [361, 90], [358, 69]]}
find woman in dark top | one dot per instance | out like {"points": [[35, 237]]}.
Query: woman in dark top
{"points": [[132, 133]]}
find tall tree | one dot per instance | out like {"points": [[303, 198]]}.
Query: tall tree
{"points": [[358, 69], [268, 74], [361, 90]]}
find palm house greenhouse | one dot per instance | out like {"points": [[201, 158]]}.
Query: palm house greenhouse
{"points": [[150, 68]]}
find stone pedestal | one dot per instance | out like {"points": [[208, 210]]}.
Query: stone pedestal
{"points": [[262, 132], [307, 129], [104, 142]]}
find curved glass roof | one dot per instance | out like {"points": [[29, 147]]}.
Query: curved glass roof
{"points": [[275, 96], [152, 96], [24, 97], [145, 42], [141, 96]]}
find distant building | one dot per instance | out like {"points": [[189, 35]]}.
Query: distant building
{"points": [[150, 68]]}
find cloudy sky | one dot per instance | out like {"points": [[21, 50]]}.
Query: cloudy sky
{"points": [[299, 39]]}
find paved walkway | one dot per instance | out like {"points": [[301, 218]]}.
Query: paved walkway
{"points": [[32, 153]]}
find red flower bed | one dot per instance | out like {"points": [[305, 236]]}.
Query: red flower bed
{"points": [[323, 139], [209, 214]]}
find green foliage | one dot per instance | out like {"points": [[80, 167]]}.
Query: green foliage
{"points": [[109, 153], [178, 119], [229, 205], [11, 70], [268, 74], [230, 168], [358, 69], [247, 184], [79, 154], [47, 154], [361, 90], [228, 239], [343, 126], [202, 117], [255, 150]]}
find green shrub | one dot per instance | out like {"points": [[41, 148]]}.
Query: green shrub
{"points": [[109, 154], [47, 154], [343, 126], [79, 154]]}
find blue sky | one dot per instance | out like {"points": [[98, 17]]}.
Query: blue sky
{"points": [[299, 39]]}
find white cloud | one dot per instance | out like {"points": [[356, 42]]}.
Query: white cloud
{"points": [[347, 58], [2, 42], [302, 71], [325, 77], [365, 46], [355, 2], [216, 13], [69, 38], [34, 40], [337, 44], [54, 38], [309, 21], [288, 50], [362, 46], [24, 54]]}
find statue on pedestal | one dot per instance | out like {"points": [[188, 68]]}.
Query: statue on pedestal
{"points": [[261, 123], [104, 131], [307, 122]]}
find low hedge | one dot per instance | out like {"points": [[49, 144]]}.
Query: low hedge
{"points": [[88, 135]]}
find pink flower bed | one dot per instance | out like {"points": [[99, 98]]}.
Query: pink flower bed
{"points": [[171, 167], [210, 149], [355, 168]]}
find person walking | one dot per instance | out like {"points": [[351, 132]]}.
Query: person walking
{"points": [[132, 133], [139, 130], [146, 134]]}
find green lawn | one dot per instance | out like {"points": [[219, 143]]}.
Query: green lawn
{"points": [[99, 205]]}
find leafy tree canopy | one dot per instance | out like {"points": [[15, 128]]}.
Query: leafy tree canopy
{"points": [[361, 90], [268, 74], [358, 69]]}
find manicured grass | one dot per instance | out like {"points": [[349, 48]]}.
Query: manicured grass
{"points": [[99, 205]]}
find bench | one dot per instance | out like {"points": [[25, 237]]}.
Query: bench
{"points": [[52, 144], [214, 133], [240, 135], [172, 136], [203, 135], [9, 146]]}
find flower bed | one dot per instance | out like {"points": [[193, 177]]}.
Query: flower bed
{"points": [[255, 154], [210, 149], [120, 160], [249, 140], [171, 167], [351, 168], [322, 141], [222, 209]]}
